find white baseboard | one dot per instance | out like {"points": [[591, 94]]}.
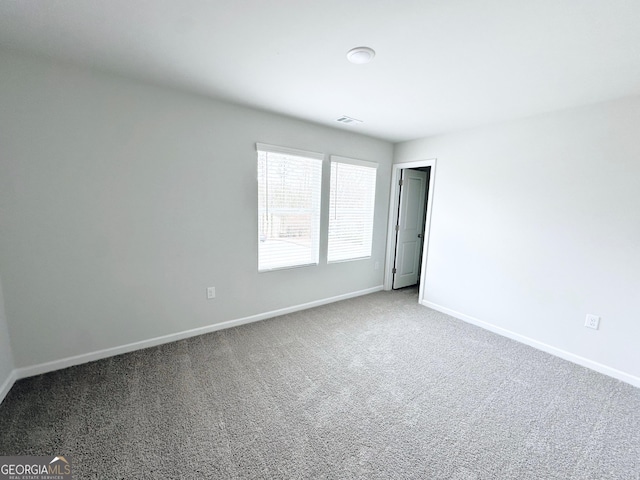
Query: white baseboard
{"points": [[130, 347], [585, 362], [8, 383]]}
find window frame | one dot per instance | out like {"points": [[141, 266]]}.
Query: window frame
{"points": [[316, 238], [336, 159]]}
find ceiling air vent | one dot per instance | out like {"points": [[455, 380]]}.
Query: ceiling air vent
{"points": [[347, 120]]}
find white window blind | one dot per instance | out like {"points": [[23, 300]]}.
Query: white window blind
{"points": [[353, 192], [289, 184]]}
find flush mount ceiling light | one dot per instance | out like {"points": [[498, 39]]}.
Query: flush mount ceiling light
{"points": [[361, 55]]}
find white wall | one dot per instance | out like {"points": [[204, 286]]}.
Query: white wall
{"points": [[6, 356], [122, 201], [536, 223]]}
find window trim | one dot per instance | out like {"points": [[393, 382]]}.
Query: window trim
{"points": [[354, 161], [264, 147], [276, 149]]}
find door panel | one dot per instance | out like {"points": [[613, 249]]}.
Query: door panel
{"points": [[413, 211], [410, 230], [408, 256]]}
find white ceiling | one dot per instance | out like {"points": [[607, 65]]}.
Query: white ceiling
{"points": [[441, 65]]}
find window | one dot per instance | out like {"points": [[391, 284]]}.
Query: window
{"points": [[353, 192], [289, 183]]}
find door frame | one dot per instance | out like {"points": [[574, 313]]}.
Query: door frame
{"points": [[393, 220]]}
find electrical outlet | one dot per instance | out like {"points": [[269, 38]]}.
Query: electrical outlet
{"points": [[211, 293], [592, 321]]}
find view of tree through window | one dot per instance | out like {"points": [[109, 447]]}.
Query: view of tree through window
{"points": [[288, 209]]}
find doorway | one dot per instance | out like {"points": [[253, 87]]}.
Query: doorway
{"points": [[409, 222], [412, 209]]}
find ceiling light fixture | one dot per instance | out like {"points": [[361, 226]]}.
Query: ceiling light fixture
{"points": [[361, 55]]}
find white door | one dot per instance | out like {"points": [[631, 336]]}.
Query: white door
{"points": [[410, 228]]}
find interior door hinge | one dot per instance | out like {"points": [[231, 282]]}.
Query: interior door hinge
{"points": [[397, 228], [393, 271], [401, 182]]}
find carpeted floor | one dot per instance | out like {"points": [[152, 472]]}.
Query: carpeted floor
{"points": [[372, 387]]}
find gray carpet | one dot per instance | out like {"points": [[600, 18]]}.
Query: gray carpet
{"points": [[373, 387]]}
